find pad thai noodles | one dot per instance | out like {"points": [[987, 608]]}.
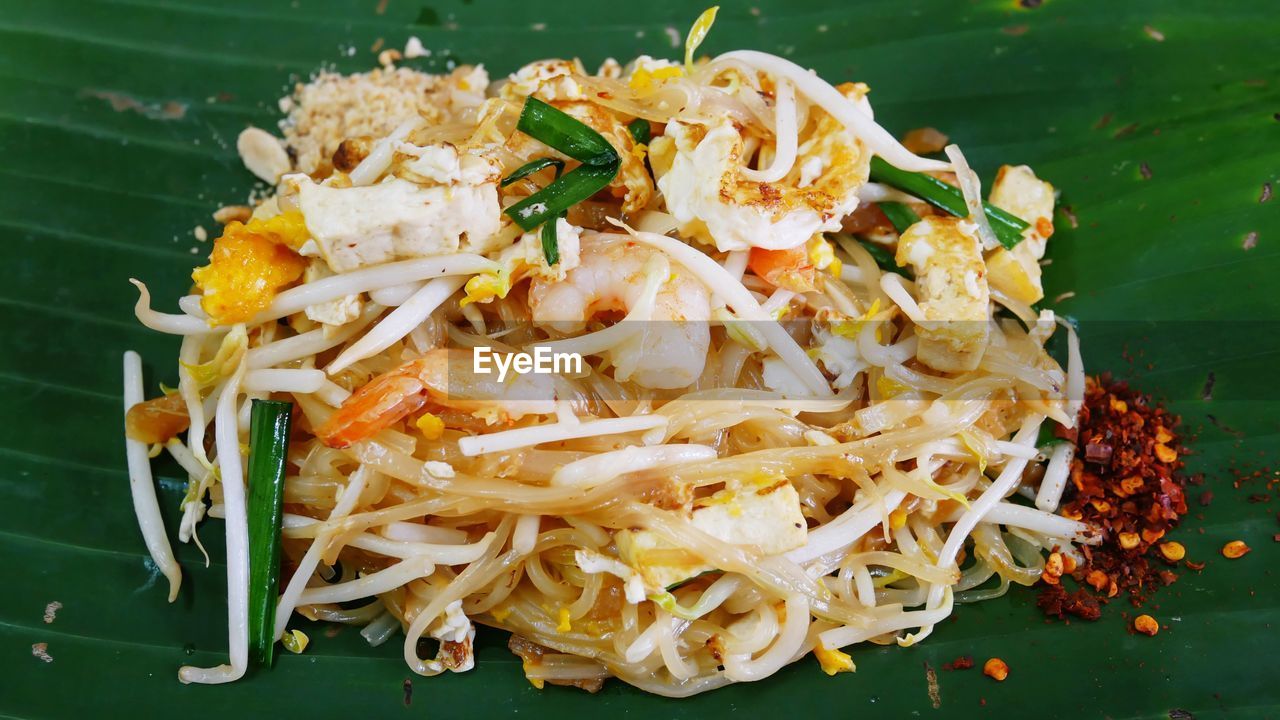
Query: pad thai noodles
{"points": [[800, 407]]}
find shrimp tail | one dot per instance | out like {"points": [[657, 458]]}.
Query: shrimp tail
{"points": [[382, 402]]}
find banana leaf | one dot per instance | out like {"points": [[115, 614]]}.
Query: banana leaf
{"points": [[1157, 119]]}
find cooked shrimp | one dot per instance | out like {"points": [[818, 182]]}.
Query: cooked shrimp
{"points": [[701, 176], [444, 377], [671, 349]]}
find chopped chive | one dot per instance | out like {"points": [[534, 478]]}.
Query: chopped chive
{"points": [[640, 132], [1007, 228], [557, 129], [1048, 437], [600, 163], [532, 167], [883, 257], [574, 187], [269, 425], [900, 216], [550, 243]]}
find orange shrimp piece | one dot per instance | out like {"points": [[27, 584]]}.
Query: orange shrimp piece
{"points": [[377, 405], [787, 269], [443, 377], [381, 402]]}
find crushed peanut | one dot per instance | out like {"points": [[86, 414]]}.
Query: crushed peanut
{"points": [[1054, 564], [996, 669], [1173, 551], [263, 154], [1235, 549], [232, 213], [1146, 625]]}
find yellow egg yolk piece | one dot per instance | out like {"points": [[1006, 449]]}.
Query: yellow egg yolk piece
{"points": [[248, 266]]}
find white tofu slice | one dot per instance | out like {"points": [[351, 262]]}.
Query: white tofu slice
{"points": [[456, 208], [946, 254]]}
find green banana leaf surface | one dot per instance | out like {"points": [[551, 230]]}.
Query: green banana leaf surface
{"points": [[1159, 121]]}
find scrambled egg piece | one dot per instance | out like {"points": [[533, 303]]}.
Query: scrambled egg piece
{"points": [[454, 207], [833, 661], [249, 265], [1016, 272], [645, 72], [946, 254], [526, 258], [549, 80], [699, 173], [763, 515]]}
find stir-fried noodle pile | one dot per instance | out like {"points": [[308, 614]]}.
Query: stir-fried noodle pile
{"points": [[780, 439]]}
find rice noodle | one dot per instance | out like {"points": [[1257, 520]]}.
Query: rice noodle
{"points": [[373, 584], [307, 566]]}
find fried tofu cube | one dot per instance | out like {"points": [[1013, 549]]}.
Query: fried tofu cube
{"points": [[1016, 272], [946, 254]]}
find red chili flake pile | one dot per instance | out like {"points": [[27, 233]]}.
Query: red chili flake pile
{"points": [[1125, 482]]}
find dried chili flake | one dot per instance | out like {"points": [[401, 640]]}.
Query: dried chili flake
{"points": [[1126, 484], [964, 662]]}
